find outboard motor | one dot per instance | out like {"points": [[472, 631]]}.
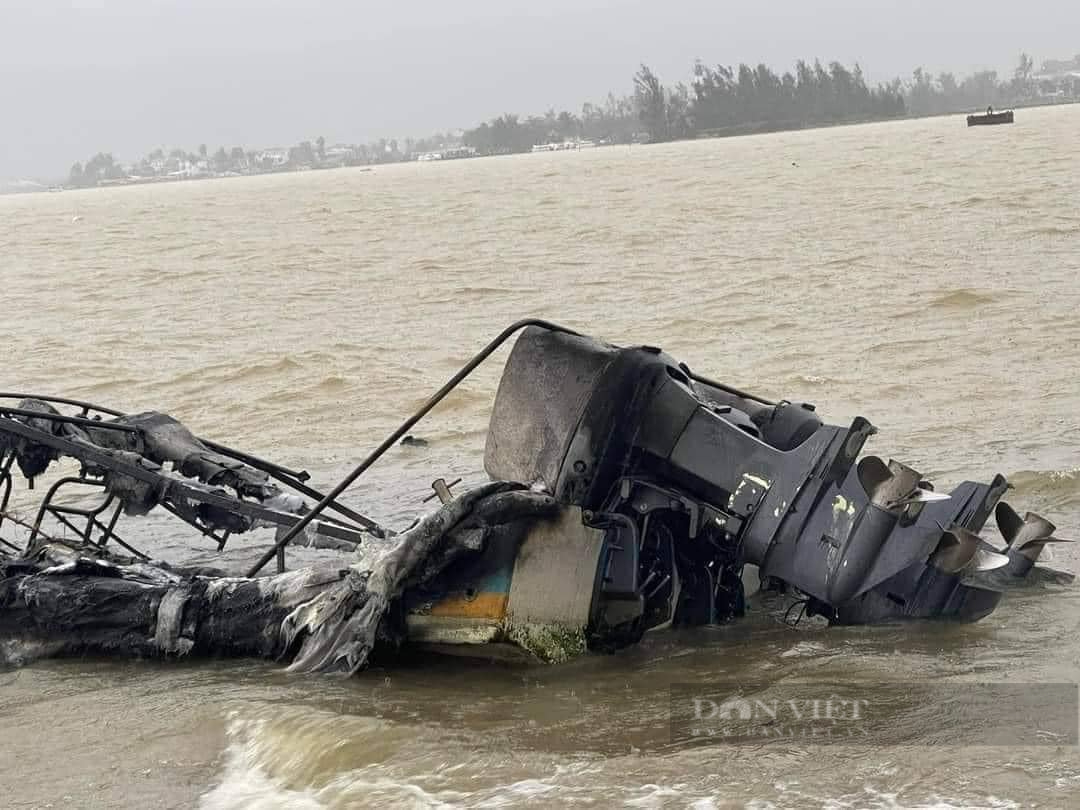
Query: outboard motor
{"points": [[692, 480]]}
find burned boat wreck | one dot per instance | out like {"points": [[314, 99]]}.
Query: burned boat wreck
{"points": [[628, 494]]}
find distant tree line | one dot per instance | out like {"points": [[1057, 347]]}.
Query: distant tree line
{"points": [[813, 94], [719, 100], [724, 100], [100, 167], [613, 121], [929, 95], [176, 163]]}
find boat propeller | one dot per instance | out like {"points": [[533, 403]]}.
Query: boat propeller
{"points": [[894, 485], [1025, 537], [962, 551]]}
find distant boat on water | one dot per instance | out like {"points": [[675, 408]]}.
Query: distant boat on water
{"points": [[990, 117]]}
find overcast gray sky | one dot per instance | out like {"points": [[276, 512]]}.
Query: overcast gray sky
{"points": [[128, 75]]}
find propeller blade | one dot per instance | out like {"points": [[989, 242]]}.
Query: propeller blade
{"points": [[1025, 536], [987, 561], [963, 550], [1035, 528], [893, 485], [953, 553], [1008, 521], [873, 473], [924, 496]]}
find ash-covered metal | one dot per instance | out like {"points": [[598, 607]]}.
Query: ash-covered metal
{"points": [[630, 494]]}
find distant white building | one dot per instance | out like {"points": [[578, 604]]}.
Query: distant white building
{"points": [[1059, 77], [188, 168], [275, 156]]}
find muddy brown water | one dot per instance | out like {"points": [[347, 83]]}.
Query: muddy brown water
{"points": [[917, 273]]}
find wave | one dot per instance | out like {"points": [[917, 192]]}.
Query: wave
{"points": [[1054, 230], [485, 291], [333, 384], [230, 374], [1054, 489], [311, 760], [813, 379], [961, 299], [847, 261], [429, 266]]}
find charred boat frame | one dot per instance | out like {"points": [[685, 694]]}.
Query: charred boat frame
{"points": [[642, 493]]}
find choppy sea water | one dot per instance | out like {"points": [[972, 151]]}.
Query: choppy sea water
{"points": [[918, 273]]}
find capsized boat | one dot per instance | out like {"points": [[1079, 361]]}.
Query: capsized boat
{"points": [[628, 494]]}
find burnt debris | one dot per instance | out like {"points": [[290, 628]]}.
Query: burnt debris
{"points": [[644, 491]]}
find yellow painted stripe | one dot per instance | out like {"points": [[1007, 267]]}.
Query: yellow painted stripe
{"points": [[482, 606]]}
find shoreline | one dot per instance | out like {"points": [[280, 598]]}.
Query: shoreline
{"points": [[734, 131]]}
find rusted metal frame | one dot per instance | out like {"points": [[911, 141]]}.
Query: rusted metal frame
{"points": [[91, 516], [47, 506], [44, 508], [174, 486], [270, 467], [111, 534], [109, 531], [72, 420], [205, 531], [64, 521], [6, 460], [357, 517], [404, 428], [78, 403], [293, 478]]}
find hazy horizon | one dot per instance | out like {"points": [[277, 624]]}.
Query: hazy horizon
{"points": [[128, 75]]}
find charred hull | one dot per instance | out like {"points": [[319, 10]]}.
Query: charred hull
{"points": [[629, 494]]}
